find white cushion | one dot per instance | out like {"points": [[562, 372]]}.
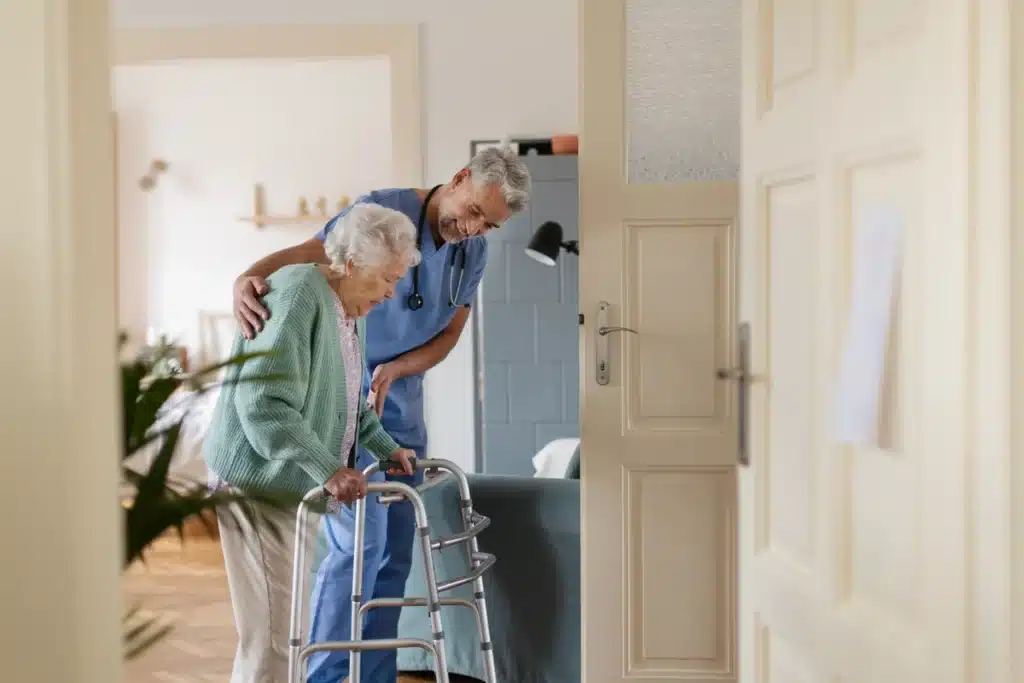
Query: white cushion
{"points": [[552, 461]]}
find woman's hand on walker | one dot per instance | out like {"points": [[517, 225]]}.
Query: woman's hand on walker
{"points": [[405, 457], [346, 485]]}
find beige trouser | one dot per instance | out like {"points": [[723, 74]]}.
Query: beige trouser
{"points": [[258, 554]]}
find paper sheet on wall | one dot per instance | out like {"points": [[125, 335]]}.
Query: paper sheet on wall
{"points": [[878, 254]]}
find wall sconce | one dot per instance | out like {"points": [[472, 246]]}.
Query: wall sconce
{"points": [[546, 244], [156, 167]]}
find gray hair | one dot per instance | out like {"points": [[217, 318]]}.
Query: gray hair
{"points": [[502, 167], [371, 235]]}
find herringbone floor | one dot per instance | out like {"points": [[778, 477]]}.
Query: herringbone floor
{"points": [[187, 585]]}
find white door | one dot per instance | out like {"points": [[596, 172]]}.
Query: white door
{"points": [[852, 559], [657, 228]]}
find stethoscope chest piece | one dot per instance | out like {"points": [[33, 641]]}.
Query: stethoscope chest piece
{"points": [[415, 300]]}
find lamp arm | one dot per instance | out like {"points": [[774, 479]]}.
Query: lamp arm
{"points": [[572, 246]]}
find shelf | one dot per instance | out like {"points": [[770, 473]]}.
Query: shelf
{"points": [[261, 221]]}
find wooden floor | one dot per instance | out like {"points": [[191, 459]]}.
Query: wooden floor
{"points": [[186, 584]]}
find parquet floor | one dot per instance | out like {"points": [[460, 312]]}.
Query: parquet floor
{"points": [[187, 585]]}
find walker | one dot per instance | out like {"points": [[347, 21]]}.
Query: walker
{"points": [[396, 492]]}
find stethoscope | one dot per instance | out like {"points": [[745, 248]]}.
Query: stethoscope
{"points": [[415, 300]]}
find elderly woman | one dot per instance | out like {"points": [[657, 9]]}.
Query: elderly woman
{"points": [[296, 431]]}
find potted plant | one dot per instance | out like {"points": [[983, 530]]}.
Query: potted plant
{"points": [[154, 502]]}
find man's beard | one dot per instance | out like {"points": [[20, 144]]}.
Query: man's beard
{"points": [[449, 230]]}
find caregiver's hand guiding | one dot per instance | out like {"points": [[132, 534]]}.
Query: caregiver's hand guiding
{"points": [[302, 428], [405, 458], [380, 383]]}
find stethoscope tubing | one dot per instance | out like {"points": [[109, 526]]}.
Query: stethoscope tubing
{"points": [[415, 300]]}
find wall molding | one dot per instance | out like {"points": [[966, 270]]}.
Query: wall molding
{"points": [[398, 42]]}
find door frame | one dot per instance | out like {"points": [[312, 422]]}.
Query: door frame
{"points": [[398, 42], [59, 413], [1015, 186], [995, 619]]}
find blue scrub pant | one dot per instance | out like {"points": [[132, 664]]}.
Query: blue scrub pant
{"points": [[387, 559]]}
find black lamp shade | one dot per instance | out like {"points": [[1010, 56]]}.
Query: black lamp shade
{"points": [[545, 243]]}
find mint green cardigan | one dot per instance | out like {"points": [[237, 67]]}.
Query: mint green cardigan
{"points": [[284, 435]]}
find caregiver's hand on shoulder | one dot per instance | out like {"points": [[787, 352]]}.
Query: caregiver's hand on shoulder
{"points": [[249, 310], [404, 457], [346, 485]]}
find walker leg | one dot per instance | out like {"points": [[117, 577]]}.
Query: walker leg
{"points": [[433, 604], [298, 587], [356, 632]]}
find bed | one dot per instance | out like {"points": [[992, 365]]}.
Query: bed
{"points": [[533, 592]]}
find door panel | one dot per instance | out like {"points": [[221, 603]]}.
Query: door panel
{"points": [[668, 390], [657, 229], [852, 557], [692, 559]]}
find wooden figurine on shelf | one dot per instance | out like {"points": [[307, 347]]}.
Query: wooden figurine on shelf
{"points": [[343, 202], [259, 201], [321, 206], [303, 207]]}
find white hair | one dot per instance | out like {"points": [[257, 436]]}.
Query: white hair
{"points": [[502, 167], [371, 235]]}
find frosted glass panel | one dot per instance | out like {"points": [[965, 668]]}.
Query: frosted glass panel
{"points": [[683, 90]]}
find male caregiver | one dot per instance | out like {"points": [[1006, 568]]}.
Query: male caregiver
{"points": [[407, 335]]}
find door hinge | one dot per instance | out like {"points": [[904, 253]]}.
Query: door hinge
{"points": [[581, 318]]}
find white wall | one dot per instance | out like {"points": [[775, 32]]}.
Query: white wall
{"points": [[488, 68], [222, 126]]}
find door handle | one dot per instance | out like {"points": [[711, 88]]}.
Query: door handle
{"points": [[608, 330], [603, 369], [741, 375]]}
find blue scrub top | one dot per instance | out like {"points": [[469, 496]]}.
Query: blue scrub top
{"points": [[392, 329]]}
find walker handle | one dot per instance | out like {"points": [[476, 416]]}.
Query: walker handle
{"points": [[388, 464]]}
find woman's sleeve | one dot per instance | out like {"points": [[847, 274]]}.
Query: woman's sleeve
{"points": [[372, 435], [272, 389]]}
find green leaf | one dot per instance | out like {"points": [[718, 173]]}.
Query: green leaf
{"points": [[141, 633], [234, 361], [145, 524], [132, 375], [147, 407], [131, 613], [154, 484]]}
